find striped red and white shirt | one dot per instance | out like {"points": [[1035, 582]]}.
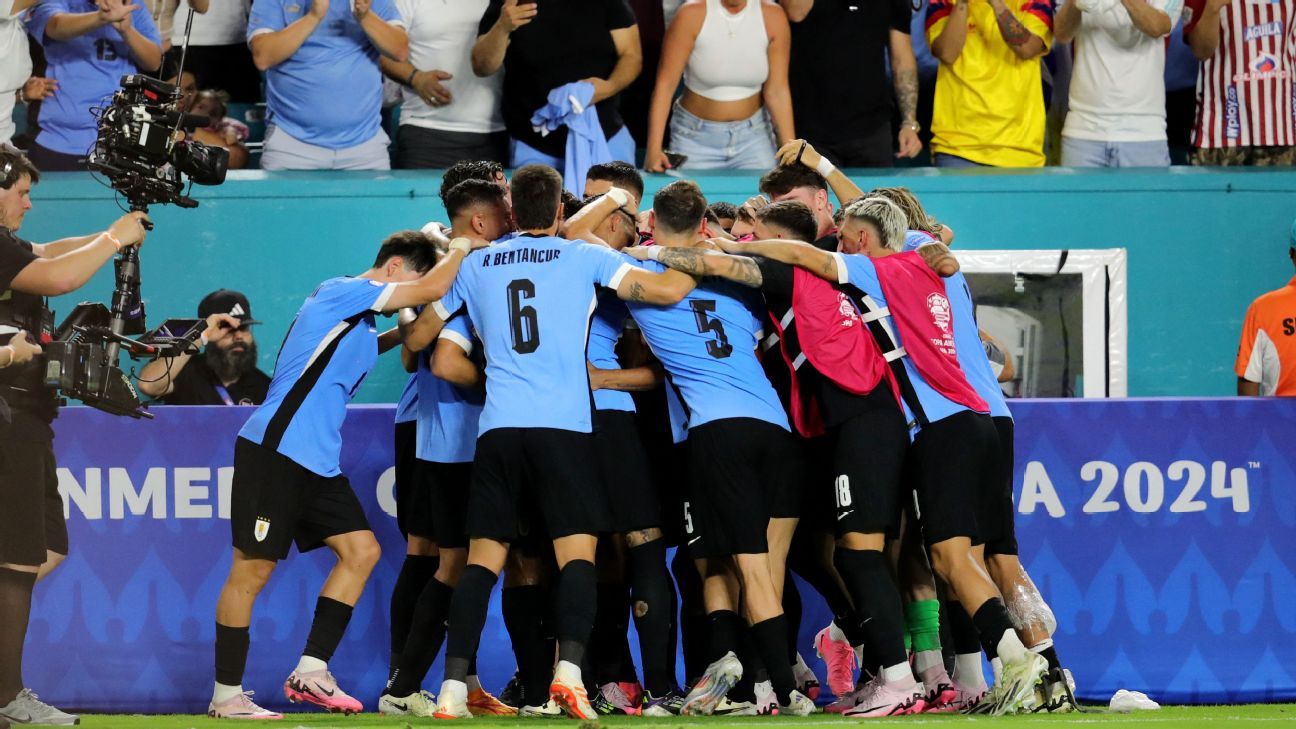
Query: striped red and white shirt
{"points": [[1245, 94]]}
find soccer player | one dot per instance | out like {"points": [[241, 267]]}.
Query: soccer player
{"points": [[451, 396], [955, 439], [603, 177], [287, 484], [631, 491], [745, 466], [531, 298]]}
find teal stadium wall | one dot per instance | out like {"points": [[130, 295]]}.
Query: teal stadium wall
{"points": [[1202, 244]]}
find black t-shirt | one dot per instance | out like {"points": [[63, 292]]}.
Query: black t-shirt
{"points": [[21, 311], [568, 40], [837, 405], [197, 385], [838, 70]]}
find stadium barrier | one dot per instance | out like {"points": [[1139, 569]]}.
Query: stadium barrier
{"points": [[1163, 532]]}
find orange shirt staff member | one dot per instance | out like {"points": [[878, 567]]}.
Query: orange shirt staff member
{"points": [[1266, 361]]}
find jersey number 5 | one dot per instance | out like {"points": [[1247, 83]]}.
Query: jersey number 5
{"points": [[522, 319], [720, 346]]}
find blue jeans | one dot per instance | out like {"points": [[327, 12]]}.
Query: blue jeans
{"points": [[739, 145], [621, 145], [948, 160], [1090, 153]]}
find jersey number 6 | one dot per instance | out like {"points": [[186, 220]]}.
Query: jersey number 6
{"points": [[522, 319], [720, 346]]}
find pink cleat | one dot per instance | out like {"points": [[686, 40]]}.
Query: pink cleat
{"points": [[240, 707], [854, 698], [891, 699], [321, 689], [942, 692], [837, 653]]}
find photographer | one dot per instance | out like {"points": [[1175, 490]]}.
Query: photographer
{"points": [[33, 535], [225, 373]]}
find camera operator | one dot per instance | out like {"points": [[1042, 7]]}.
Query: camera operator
{"points": [[225, 373], [33, 535]]}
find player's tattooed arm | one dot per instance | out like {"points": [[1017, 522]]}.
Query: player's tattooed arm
{"points": [[795, 253], [939, 258], [1024, 43], [703, 262], [664, 289], [632, 379]]}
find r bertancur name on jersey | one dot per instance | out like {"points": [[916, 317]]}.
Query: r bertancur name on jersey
{"points": [[519, 255]]}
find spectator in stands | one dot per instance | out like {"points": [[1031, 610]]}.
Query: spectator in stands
{"points": [[88, 47], [989, 108], [218, 50], [323, 87], [842, 56], [223, 131], [1266, 361], [225, 373], [16, 82], [541, 49], [162, 12], [1118, 111], [733, 57], [447, 113], [1244, 88]]}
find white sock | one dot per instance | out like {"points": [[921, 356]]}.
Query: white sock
{"points": [[926, 661], [225, 693], [834, 632], [968, 671], [996, 665], [456, 691], [900, 674], [308, 664], [1010, 648], [569, 672], [859, 655], [474, 684]]}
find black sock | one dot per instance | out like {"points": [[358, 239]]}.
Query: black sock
{"points": [[725, 628], [526, 611], [851, 624], [611, 621], [231, 654], [692, 616], [791, 615], [771, 639], [749, 657], [811, 568], [415, 573], [652, 604], [963, 630], [992, 621], [1050, 655], [426, 635], [15, 612], [468, 609], [869, 581], [331, 619], [575, 607]]}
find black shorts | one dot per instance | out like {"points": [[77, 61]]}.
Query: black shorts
{"points": [[447, 486], [413, 506], [555, 470], [952, 458], [869, 463], [818, 513], [31, 510], [626, 477], [743, 472], [996, 515], [275, 502]]}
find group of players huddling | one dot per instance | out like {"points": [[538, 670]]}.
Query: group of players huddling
{"points": [[813, 393]]}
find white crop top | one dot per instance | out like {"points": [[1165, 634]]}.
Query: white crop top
{"points": [[729, 60]]}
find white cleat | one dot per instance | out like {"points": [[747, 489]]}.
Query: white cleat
{"points": [[798, 705], [240, 707], [714, 685], [547, 710], [421, 704]]}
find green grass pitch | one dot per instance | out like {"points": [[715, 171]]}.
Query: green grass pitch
{"points": [[1256, 716]]}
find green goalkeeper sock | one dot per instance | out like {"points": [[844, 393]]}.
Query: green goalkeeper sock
{"points": [[922, 619]]}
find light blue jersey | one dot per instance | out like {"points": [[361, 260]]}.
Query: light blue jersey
{"points": [[330, 347], [858, 271], [971, 352], [328, 93], [707, 343], [605, 330], [88, 68], [531, 299], [448, 415], [407, 405]]}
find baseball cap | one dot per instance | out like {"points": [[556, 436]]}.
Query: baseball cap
{"points": [[226, 301]]}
